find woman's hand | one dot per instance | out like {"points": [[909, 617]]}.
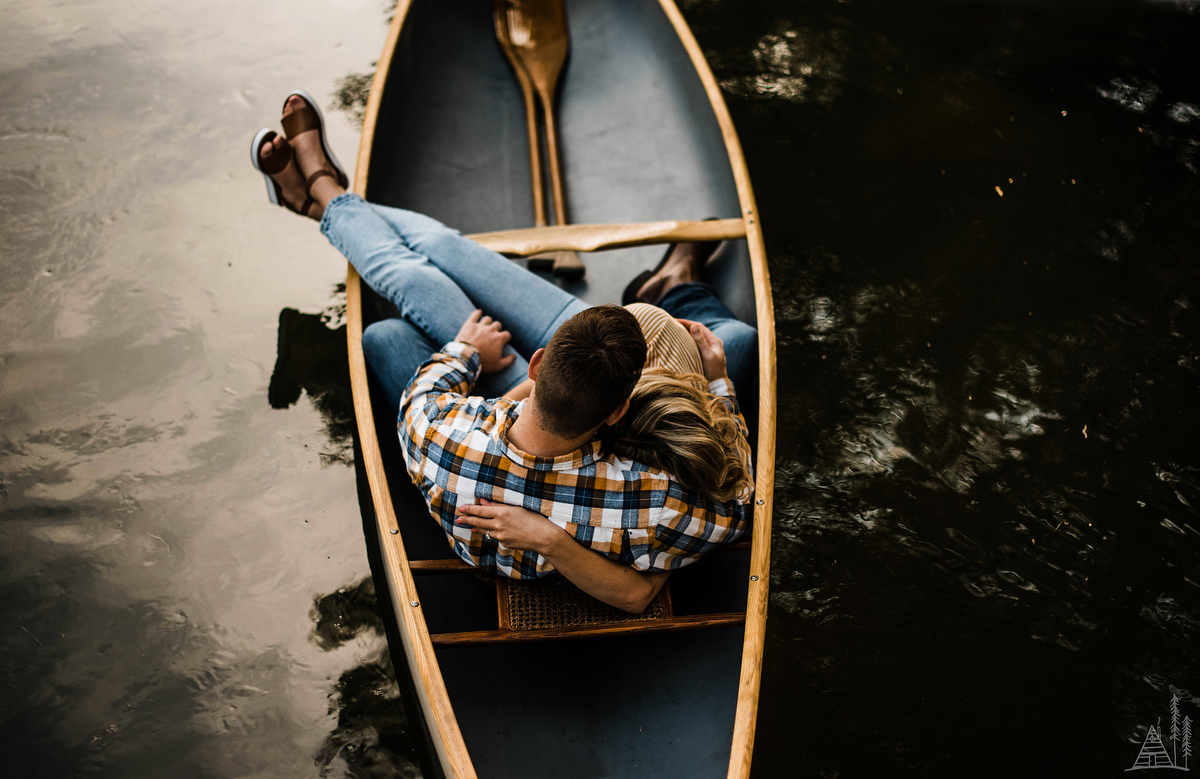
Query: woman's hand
{"points": [[516, 528], [512, 526], [712, 349], [489, 340]]}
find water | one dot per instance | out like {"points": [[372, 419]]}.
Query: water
{"points": [[964, 582]]}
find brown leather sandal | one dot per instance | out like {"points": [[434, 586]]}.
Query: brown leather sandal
{"points": [[277, 163], [309, 118]]}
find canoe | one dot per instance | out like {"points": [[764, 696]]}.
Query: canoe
{"points": [[509, 680]]}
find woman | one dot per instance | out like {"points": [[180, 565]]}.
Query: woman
{"points": [[412, 260], [683, 416]]}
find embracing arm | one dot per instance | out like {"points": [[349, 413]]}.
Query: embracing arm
{"points": [[521, 391], [606, 580], [617, 585]]}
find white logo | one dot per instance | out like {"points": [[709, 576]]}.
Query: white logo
{"points": [[1155, 755]]}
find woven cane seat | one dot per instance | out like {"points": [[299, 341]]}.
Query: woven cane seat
{"points": [[556, 603]]}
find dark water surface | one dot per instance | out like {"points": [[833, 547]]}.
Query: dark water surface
{"points": [[986, 558]]}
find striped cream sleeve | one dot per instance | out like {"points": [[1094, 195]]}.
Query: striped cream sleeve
{"points": [[668, 344]]}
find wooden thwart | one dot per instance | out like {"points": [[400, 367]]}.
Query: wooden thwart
{"points": [[598, 237], [651, 626]]}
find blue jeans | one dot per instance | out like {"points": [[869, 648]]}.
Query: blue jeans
{"points": [[436, 277], [699, 303]]}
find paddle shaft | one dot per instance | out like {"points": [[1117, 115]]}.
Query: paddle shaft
{"points": [[560, 206]]}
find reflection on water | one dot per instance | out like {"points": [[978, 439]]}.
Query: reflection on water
{"points": [[312, 357], [982, 222], [796, 64], [373, 737], [163, 530], [351, 96]]}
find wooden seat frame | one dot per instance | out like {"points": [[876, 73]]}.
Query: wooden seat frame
{"points": [[505, 632]]}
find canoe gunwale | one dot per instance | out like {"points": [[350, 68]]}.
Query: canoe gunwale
{"points": [[434, 699], [431, 690]]}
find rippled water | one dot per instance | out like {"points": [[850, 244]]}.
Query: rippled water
{"points": [[982, 222]]}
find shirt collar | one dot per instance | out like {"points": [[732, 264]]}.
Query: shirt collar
{"points": [[580, 458]]}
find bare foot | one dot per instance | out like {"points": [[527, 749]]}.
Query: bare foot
{"points": [[681, 267], [311, 156], [290, 179]]}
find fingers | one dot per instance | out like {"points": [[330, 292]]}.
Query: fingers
{"points": [[474, 317], [481, 523], [507, 361], [490, 510], [709, 336]]}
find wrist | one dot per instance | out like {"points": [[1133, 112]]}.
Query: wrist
{"points": [[554, 542]]}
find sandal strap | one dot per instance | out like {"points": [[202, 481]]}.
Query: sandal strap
{"points": [[308, 203], [317, 174], [300, 121], [279, 158]]}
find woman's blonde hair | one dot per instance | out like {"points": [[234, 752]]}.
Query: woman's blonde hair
{"points": [[676, 425]]}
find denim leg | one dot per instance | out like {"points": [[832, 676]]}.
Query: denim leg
{"points": [[426, 297], [395, 349], [699, 302], [528, 306]]}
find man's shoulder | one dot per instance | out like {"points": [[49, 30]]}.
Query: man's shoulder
{"points": [[461, 417]]}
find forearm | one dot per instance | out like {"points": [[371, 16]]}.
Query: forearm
{"points": [[450, 371], [606, 580], [521, 391]]}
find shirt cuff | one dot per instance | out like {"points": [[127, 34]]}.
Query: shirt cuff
{"points": [[722, 388], [468, 354]]}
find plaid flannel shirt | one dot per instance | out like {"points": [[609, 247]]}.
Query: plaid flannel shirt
{"points": [[456, 449]]}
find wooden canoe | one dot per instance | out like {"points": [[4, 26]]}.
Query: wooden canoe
{"points": [[648, 150]]}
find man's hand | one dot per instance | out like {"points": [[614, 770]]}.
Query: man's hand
{"points": [[712, 349], [485, 335], [512, 526]]}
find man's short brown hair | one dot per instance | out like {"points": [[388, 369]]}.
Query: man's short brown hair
{"points": [[588, 370]]}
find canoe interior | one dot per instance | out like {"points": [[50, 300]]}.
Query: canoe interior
{"points": [[639, 143]]}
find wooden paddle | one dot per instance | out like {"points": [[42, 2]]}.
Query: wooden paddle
{"points": [[500, 18], [535, 39]]}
